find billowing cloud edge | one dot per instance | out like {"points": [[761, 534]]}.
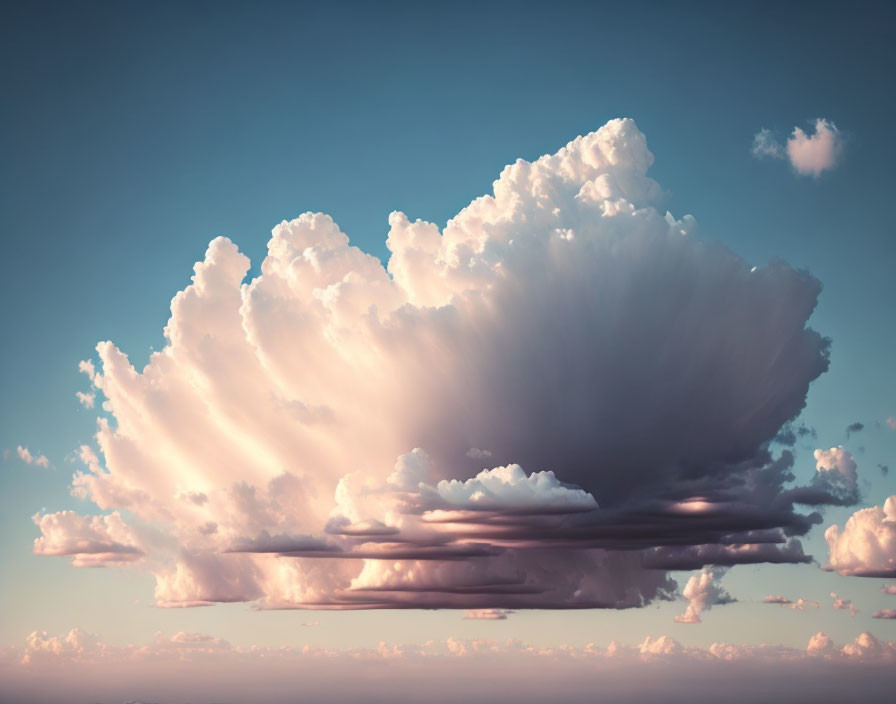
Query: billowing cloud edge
{"points": [[489, 333]]}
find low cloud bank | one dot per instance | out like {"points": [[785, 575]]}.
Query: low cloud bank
{"points": [[199, 667]]}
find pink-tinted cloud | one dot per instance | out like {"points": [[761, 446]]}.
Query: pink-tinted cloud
{"points": [[766, 146], [866, 546], [811, 154], [304, 438], [91, 541], [177, 667], [771, 599], [842, 604], [80, 646], [703, 591], [808, 154], [86, 399], [28, 458], [885, 613]]}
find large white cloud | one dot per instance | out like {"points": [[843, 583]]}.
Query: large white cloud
{"points": [[866, 546], [636, 375]]}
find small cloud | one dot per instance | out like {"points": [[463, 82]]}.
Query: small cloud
{"points": [[765, 146], [891, 421], [770, 599], [703, 591], [854, 428], [802, 604], [488, 614], [812, 154], [86, 399], [884, 469], [844, 604], [885, 613], [808, 154], [28, 458], [889, 589], [474, 453], [310, 624], [85, 366]]}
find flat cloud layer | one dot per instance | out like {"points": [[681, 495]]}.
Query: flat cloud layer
{"points": [[306, 439], [198, 666]]}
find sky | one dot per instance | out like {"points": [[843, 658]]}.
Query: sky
{"points": [[515, 329]]}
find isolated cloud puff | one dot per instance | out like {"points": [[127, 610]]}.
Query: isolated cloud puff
{"points": [[174, 667], [765, 145], [842, 604], [86, 399], [885, 613], [813, 153], [703, 591], [808, 154], [866, 546], [42, 650], [772, 599], [306, 438]]}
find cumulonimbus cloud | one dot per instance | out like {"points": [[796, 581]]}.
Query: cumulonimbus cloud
{"points": [[305, 439]]}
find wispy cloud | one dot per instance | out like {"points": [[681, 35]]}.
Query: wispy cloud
{"points": [[28, 458]]}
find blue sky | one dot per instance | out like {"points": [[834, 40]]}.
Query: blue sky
{"points": [[134, 133]]}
